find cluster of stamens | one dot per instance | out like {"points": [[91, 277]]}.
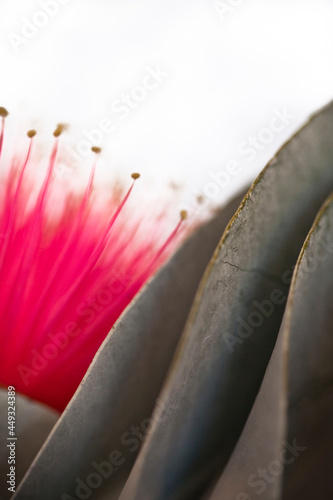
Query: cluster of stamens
{"points": [[66, 279]]}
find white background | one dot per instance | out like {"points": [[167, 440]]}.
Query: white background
{"points": [[227, 72]]}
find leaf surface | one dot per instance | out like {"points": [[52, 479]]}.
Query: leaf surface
{"points": [[234, 323], [122, 384]]}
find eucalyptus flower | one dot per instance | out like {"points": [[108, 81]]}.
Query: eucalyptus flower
{"points": [[215, 382], [70, 263]]}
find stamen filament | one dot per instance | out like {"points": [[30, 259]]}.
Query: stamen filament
{"points": [[10, 218], [3, 114]]}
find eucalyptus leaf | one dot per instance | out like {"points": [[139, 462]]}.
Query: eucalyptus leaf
{"points": [[234, 323], [309, 332], [33, 422], [262, 441], [121, 386], [285, 450]]}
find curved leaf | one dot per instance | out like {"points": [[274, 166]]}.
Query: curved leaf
{"points": [[285, 450], [233, 325], [120, 388], [33, 423]]}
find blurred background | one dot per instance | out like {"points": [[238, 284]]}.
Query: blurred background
{"points": [[192, 93]]}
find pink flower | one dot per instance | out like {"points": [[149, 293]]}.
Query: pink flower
{"points": [[69, 265]]}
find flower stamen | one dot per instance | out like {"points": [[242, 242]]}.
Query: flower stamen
{"points": [[3, 114], [69, 267]]}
